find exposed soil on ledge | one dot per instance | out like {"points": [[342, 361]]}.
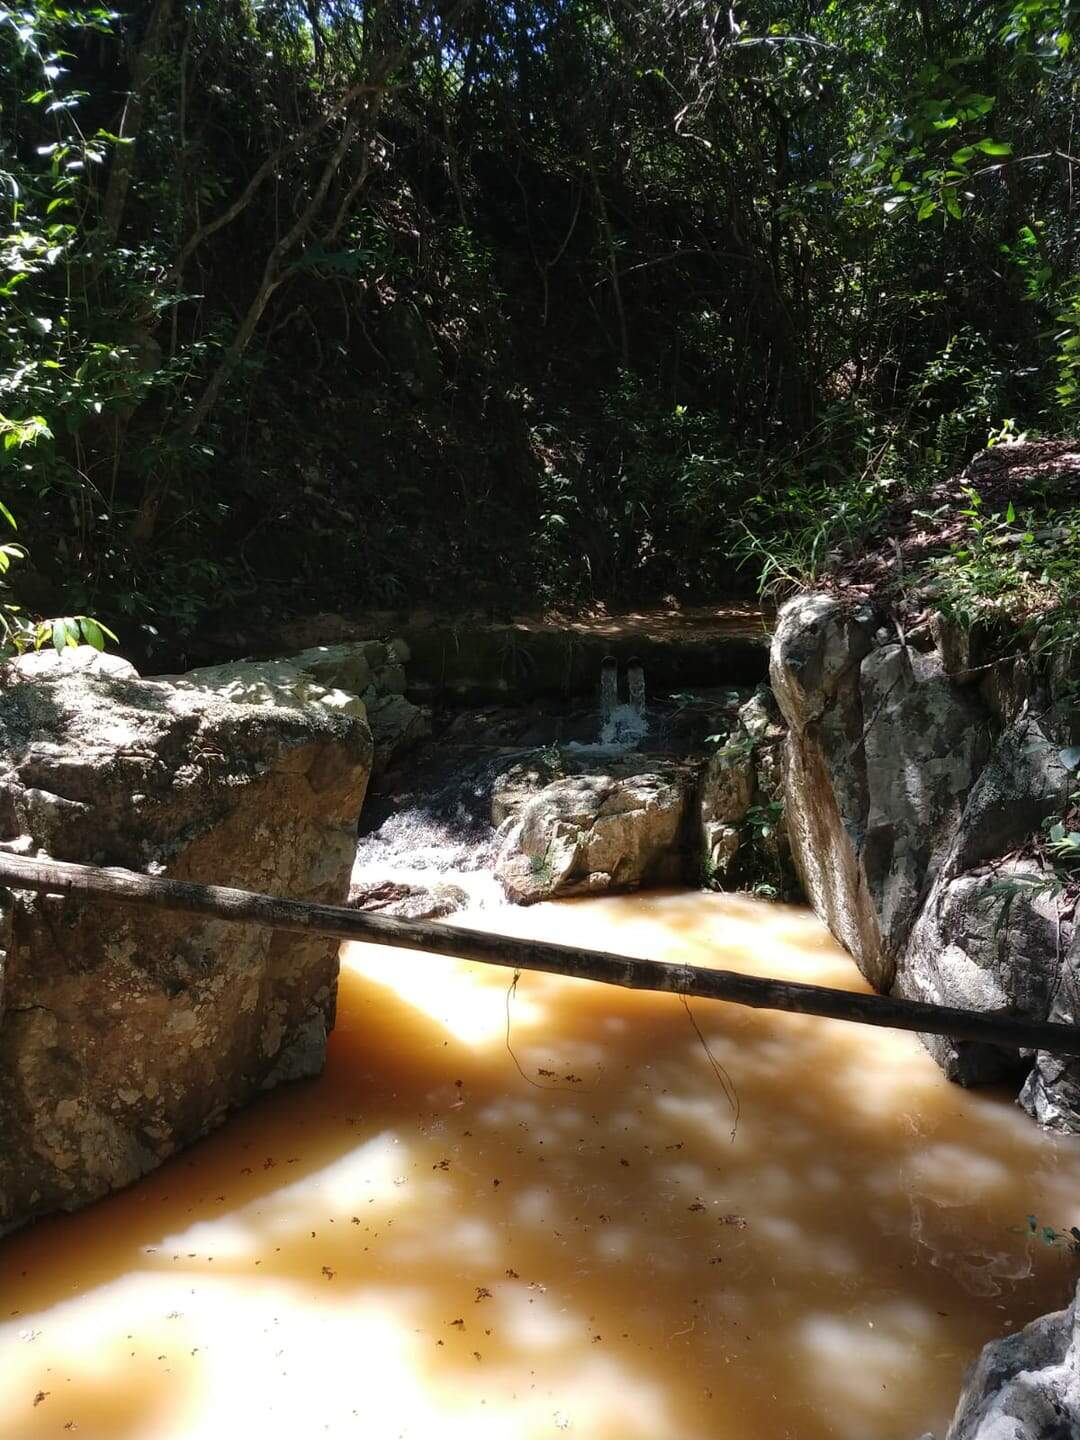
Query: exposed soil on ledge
{"points": [[1036, 475], [727, 619], [473, 659]]}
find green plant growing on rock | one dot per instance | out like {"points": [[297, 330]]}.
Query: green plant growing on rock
{"points": [[1023, 567], [1058, 846], [541, 869], [551, 758], [763, 821], [732, 747], [1064, 844], [1062, 834]]}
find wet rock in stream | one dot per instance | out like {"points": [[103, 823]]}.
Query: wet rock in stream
{"points": [[408, 902], [1025, 1386], [583, 834]]}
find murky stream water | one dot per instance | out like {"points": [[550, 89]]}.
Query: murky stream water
{"points": [[423, 1244]]}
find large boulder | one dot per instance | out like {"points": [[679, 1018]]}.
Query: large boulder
{"points": [[280, 684], [582, 834], [986, 941], [1025, 1386], [356, 677], [882, 751], [989, 935], [816, 650], [375, 670], [917, 776], [127, 1033], [742, 829], [724, 798]]}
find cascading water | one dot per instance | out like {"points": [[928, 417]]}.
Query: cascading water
{"points": [[435, 834], [609, 688], [625, 730], [635, 680], [622, 727]]}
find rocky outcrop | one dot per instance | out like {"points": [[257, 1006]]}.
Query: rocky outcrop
{"points": [[1026, 1386], [882, 751], [917, 775], [125, 1034], [727, 789], [571, 824], [376, 671], [985, 941], [356, 677], [742, 833], [990, 932], [582, 834], [1052, 1090]]}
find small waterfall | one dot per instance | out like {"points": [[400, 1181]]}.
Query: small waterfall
{"points": [[622, 727], [609, 688], [434, 837], [635, 678], [436, 833], [418, 850]]}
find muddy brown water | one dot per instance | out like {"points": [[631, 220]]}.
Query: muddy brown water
{"points": [[424, 1245]]}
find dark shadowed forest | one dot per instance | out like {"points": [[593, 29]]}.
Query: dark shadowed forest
{"points": [[332, 304]]}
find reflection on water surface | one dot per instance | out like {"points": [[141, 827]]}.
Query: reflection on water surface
{"points": [[423, 1244]]}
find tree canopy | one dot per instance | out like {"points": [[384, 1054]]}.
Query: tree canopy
{"points": [[363, 303]]}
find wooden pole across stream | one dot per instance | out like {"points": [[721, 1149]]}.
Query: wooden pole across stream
{"points": [[125, 887]]}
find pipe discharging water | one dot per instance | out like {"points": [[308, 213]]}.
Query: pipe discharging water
{"points": [[609, 688], [623, 726], [635, 680]]}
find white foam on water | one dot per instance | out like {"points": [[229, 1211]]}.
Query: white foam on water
{"points": [[620, 734], [417, 849], [420, 848]]}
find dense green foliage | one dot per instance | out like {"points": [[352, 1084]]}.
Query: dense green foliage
{"points": [[345, 303]]}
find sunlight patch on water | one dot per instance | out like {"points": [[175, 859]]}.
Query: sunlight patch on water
{"points": [[456, 994]]}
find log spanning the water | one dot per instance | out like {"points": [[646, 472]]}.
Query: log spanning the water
{"points": [[125, 887]]}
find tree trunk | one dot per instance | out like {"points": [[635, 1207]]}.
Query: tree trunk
{"points": [[124, 887], [123, 160]]}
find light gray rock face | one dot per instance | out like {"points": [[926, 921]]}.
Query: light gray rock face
{"points": [[924, 742], [375, 671], [125, 1033], [1026, 1386], [989, 936], [913, 777], [355, 677], [986, 940], [727, 788], [1052, 1090], [882, 751], [584, 834], [742, 830], [813, 668]]}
